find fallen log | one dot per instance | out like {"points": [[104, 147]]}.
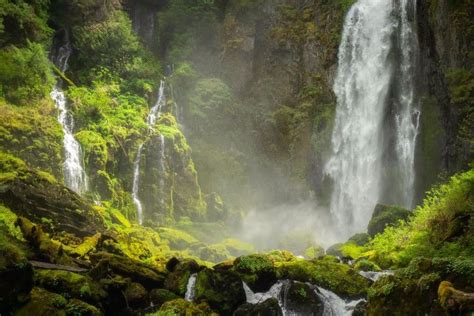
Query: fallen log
{"points": [[52, 266], [454, 300]]}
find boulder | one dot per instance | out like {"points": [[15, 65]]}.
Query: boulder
{"points": [[300, 299], [181, 307], [385, 215], [160, 296], [453, 300], [257, 271], [222, 290], [177, 280], [269, 307]]}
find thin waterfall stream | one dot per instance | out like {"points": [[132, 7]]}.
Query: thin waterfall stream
{"points": [[155, 113], [75, 176], [363, 86]]}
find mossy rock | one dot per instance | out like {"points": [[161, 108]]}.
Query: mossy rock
{"points": [[366, 265], [72, 284], [43, 303], [137, 295], [178, 239], [180, 307], [402, 295], [213, 253], [335, 250], [180, 271], [35, 196], [160, 296], [269, 307], [76, 307], [386, 215], [222, 290], [257, 271], [314, 252], [301, 299], [360, 239], [139, 272], [336, 277]]}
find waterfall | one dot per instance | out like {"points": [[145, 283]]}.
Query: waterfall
{"points": [[136, 185], [408, 117], [190, 288], [375, 276], [75, 177], [363, 85], [161, 165], [153, 115], [334, 305]]}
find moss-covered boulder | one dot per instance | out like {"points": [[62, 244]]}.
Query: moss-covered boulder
{"points": [[137, 295], [160, 296], [180, 307], [222, 290], [72, 284], [385, 215], [43, 303], [360, 239], [257, 271], [301, 299], [37, 196], [336, 277], [269, 307], [106, 263], [180, 271]]}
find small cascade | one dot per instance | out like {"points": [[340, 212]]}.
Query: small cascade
{"points": [[136, 185], [334, 305], [161, 166], [191, 288], [153, 116], [374, 276], [75, 177]]}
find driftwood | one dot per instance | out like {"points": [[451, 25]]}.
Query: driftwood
{"points": [[454, 300], [51, 266]]}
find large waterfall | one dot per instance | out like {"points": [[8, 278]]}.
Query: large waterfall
{"points": [[374, 90], [154, 114], [75, 177]]}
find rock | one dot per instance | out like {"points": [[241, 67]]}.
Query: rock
{"points": [[314, 252], [137, 296], [184, 308], [73, 284], [336, 277], [360, 309], [222, 290], [76, 307], [300, 299], [257, 271], [177, 280], [360, 239], [385, 215], [269, 307], [453, 300], [137, 271], [334, 250], [34, 196], [43, 303], [160, 296]]}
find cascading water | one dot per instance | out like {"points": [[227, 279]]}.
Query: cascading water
{"points": [[154, 114], [365, 75], [333, 305], [408, 117], [191, 288], [75, 177], [136, 185]]}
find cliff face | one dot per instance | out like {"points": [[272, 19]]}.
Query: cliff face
{"points": [[446, 75]]}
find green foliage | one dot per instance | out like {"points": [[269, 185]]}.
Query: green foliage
{"points": [[25, 74], [22, 21], [253, 263], [438, 228], [385, 215], [110, 50]]}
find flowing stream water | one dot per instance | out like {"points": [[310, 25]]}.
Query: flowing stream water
{"points": [[75, 177], [364, 84], [155, 113], [333, 305], [191, 288]]}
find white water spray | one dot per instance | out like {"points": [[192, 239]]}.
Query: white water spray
{"points": [[365, 74], [191, 288], [75, 177]]}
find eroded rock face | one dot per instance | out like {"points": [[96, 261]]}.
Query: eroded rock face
{"points": [[34, 196]]}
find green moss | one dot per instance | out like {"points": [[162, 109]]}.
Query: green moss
{"points": [[339, 278], [182, 307], [253, 263], [43, 302], [95, 150], [71, 284], [385, 215], [177, 239]]}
